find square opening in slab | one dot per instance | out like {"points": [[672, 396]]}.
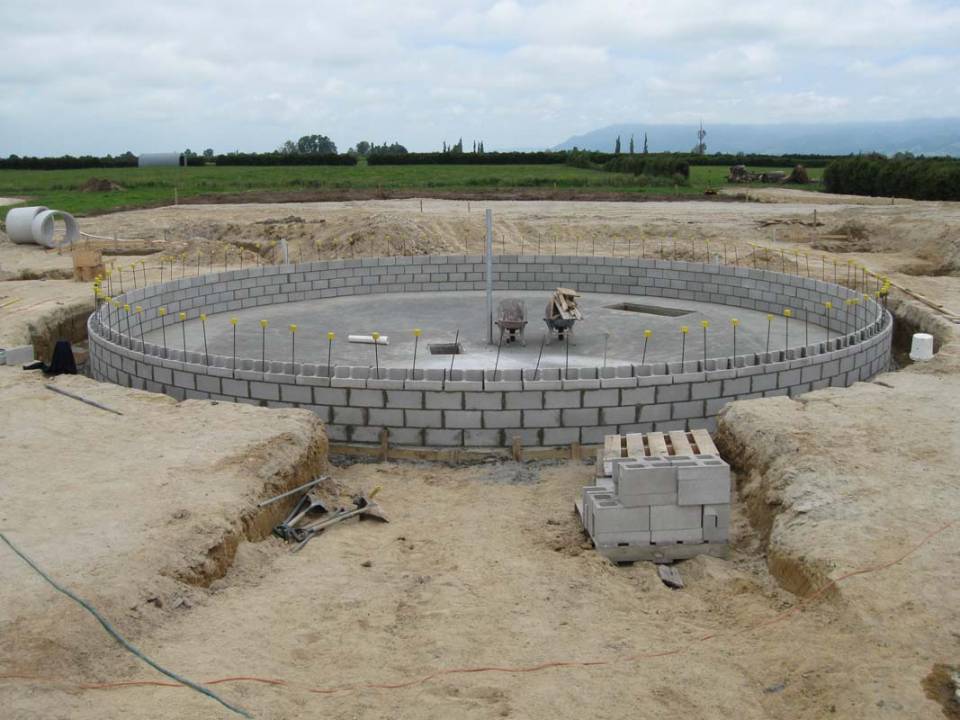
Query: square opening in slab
{"points": [[649, 309], [446, 349]]}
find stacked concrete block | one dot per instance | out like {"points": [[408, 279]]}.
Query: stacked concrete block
{"points": [[659, 508]]}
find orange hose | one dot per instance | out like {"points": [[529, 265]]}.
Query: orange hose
{"points": [[766, 622]]}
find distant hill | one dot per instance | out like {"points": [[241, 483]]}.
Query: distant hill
{"points": [[921, 137]]}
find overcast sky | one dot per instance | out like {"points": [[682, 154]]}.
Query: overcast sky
{"points": [[104, 77]]}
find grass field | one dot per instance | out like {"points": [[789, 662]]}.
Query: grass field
{"points": [[61, 189]]}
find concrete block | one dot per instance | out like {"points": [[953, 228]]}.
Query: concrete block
{"points": [[381, 417], [367, 398], [580, 416], [618, 415], [436, 437], [601, 398], [423, 418], [638, 396], [581, 384], [208, 384], [19, 355], [609, 516], [673, 393], [703, 485], [264, 391], [406, 399], [300, 394], [716, 523], [702, 391], [644, 478], [482, 438], [684, 410], [561, 436], [321, 411], [184, 380], [337, 433], [651, 499], [443, 400], [349, 416], [524, 400], [561, 399], [327, 396], [501, 418], [365, 434], [463, 419], [404, 435], [760, 383], [594, 435], [672, 517], [690, 535], [738, 386], [621, 539], [541, 418], [654, 413], [529, 437], [163, 375], [483, 400]]}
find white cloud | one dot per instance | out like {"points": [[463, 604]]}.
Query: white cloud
{"points": [[103, 76]]}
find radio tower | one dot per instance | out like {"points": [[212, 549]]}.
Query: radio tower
{"points": [[701, 146]]}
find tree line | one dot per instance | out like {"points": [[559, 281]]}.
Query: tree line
{"points": [[903, 175]]}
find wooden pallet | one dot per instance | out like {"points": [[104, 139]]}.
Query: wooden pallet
{"points": [[655, 444]]}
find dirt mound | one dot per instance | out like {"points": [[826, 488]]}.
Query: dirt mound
{"points": [[101, 185], [851, 236]]}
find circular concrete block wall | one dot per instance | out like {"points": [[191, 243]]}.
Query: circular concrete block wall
{"points": [[477, 407]]}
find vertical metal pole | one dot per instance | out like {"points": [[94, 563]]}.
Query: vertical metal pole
{"points": [[489, 217]]}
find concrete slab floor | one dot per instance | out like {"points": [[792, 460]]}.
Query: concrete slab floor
{"points": [[440, 314]]}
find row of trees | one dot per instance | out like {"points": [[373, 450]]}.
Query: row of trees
{"points": [[616, 146], [900, 176]]}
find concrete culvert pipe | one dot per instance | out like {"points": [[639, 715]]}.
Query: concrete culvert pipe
{"points": [[20, 224], [43, 227]]}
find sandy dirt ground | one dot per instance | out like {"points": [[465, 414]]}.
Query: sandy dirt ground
{"points": [[484, 566]]}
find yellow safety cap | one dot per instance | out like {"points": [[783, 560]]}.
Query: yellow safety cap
{"points": [[203, 317], [734, 321], [264, 323], [787, 312], [417, 332], [182, 316], [704, 323], [647, 333], [684, 329], [293, 328], [233, 321], [331, 335]]}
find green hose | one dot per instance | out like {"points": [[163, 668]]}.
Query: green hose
{"points": [[119, 638]]}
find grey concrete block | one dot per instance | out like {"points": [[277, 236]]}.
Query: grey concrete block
{"points": [[529, 437], [367, 398], [716, 523], [702, 391], [738, 386], [595, 434], [684, 410], [648, 500], [365, 434], [300, 394], [501, 418], [337, 433], [321, 411], [760, 383], [541, 418], [424, 418], [654, 413], [672, 517], [644, 477], [208, 384], [264, 391], [524, 400], [18, 355], [379, 416], [435, 437], [349, 416], [609, 516], [163, 375], [601, 398], [673, 393], [691, 535], [482, 438], [405, 436], [561, 399], [184, 380], [462, 419], [580, 416], [638, 396], [561, 436], [704, 485], [329, 396], [618, 415], [670, 425], [443, 400], [405, 399], [483, 400]]}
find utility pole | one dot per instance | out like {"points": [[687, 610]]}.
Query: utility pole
{"points": [[489, 215]]}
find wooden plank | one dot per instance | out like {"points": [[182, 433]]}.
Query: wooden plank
{"points": [[681, 446], [657, 443], [612, 447], [635, 445], [704, 442]]}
